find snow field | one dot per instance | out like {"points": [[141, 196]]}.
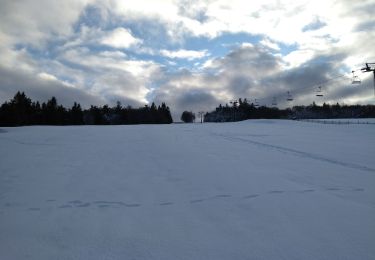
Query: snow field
{"points": [[258, 189]]}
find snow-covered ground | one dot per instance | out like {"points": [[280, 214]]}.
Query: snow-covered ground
{"points": [[260, 189]]}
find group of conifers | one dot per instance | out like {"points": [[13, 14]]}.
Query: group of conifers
{"points": [[21, 111]]}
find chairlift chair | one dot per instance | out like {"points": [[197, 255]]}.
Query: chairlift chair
{"points": [[319, 92], [256, 103], [355, 79], [234, 103], [274, 102], [289, 97]]}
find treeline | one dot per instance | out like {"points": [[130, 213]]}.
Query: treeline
{"points": [[244, 110], [21, 111], [314, 111]]}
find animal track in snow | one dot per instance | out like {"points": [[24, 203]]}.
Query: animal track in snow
{"points": [[118, 204]]}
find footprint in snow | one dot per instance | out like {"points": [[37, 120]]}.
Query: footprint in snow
{"points": [[333, 189], [305, 191], [84, 205], [250, 196], [276, 191], [196, 201], [223, 196], [103, 206], [166, 203], [132, 205], [75, 202], [109, 202], [34, 209], [65, 206]]}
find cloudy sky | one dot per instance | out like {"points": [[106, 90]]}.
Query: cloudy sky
{"points": [[192, 55]]}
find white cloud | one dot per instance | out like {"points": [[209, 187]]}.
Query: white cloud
{"points": [[270, 44], [208, 64], [47, 76], [42, 87], [36, 21], [70, 50], [247, 44], [120, 38], [113, 75], [110, 61], [298, 57], [113, 54], [184, 54], [52, 78]]}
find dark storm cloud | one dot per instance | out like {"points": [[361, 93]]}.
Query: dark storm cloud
{"points": [[303, 81], [239, 85], [348, 90], [310, 74], [195, 98], [191, 100], [244, 69], [249, 58]]}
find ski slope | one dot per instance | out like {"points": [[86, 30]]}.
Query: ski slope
{"points": [[258, 189]]}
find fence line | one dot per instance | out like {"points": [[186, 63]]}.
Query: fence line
{"points": [[337, 122]]}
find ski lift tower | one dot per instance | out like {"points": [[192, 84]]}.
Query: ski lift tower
{"points": [[370, 67], [200, 114]]}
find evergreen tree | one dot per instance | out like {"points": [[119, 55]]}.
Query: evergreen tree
{"points": [[76, 115], [187, 116]]}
